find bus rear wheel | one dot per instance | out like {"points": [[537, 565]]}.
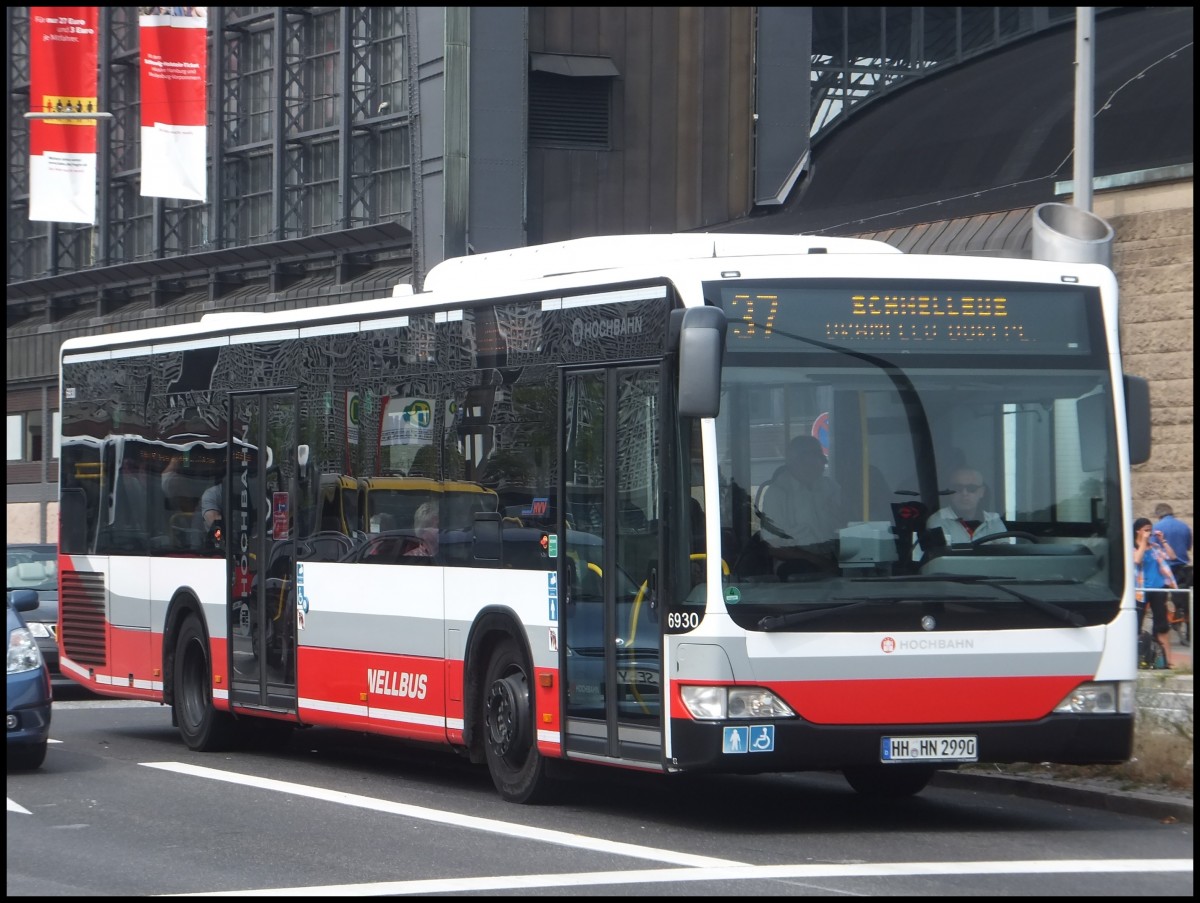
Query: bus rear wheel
{"points": [[889, 781], [202, 727], [518, 770]]}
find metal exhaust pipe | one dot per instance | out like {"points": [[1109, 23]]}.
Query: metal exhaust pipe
{"points": [[1071, 235]]}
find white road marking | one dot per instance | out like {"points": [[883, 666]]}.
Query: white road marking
{"points": [[727, 873], [13, 807], [509, 829], [697, 868]]}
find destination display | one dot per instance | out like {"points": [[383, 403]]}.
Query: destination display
{"points": [[1015, 319]]}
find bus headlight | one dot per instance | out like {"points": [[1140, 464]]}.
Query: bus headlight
{"points": [[1107, 698], [717, 703]]}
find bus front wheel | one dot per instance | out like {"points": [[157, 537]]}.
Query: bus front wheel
{"points": [[518, 770], [202, 727], [889, 781]]}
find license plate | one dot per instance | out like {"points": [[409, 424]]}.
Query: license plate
{"points": [[961, 748], [641, 677]]}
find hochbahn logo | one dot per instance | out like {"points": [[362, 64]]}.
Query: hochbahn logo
{"points": [[612, 327], [925, 644]]}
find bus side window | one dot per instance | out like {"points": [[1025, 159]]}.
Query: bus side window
{"points": [[73, 518]]}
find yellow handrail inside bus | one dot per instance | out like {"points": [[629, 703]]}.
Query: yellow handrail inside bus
{"points": [[637, 605]]}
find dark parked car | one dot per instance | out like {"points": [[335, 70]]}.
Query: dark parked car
{"points": [[29, 692], [35, 566]]}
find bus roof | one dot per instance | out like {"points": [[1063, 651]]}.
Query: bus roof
{"points": [[580, 255], [558, 267]]}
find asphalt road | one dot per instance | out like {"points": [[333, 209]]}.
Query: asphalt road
{"points": [[122, 807]]}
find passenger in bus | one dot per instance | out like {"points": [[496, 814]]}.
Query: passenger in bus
{"points": [[802, 511], [209, 521], [425, 525], [174, 483], [964, 520], [179, 500]]}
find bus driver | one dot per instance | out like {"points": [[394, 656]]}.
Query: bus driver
{"points": [[964, 520]]}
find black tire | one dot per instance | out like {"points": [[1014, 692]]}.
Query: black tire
{"points": [[27, 756], [202, 727], [518, 770], [889, 781]]}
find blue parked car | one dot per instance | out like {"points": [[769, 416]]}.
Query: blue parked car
{"points": [[29, 693], [35, 566]]}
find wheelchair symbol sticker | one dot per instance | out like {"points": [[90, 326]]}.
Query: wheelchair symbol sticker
{"points": [[762, 738]]}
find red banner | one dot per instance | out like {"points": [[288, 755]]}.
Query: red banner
{"points": [[62, 79], [174, 113]]}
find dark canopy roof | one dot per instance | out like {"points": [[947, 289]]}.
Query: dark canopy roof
{"points": [[997, 133]]}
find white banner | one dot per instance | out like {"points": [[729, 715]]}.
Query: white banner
{"points": [[174, 113]]}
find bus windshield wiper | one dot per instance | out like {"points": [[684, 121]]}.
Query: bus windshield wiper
{"points": [[776, 622], [1074, 618]]}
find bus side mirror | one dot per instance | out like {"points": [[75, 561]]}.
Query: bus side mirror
{"points": [[701, 347], [1137, 418]]}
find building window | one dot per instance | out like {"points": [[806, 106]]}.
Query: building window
{"points": [[320, 102], [16, 437], [26, 437], [255, 222], [394, 176], [321, 184]]}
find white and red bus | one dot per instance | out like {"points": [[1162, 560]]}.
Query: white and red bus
{"points": [[599, 424]]}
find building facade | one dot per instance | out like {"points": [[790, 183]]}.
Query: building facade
{"points": [[353, 148]]}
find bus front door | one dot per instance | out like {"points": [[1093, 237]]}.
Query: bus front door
{"points": [[261, 556], [612, 427]]}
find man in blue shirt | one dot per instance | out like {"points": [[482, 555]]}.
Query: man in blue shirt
{"points": [[1178, 536]]}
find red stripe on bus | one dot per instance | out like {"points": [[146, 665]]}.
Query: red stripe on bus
{"points": [[926, 700]]}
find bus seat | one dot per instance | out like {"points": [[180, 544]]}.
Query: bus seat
{"points": [[326, 545]]}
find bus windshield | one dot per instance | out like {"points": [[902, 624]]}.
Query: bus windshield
{"points": [[882, 447]]}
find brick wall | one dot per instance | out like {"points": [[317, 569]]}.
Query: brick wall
{"points": [[1153, 257]]}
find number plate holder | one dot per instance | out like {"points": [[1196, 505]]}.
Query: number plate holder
{"points": [[930, 748]]}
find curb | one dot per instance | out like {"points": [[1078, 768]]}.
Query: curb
{"points": [[1125, 802], [1165, 680]]}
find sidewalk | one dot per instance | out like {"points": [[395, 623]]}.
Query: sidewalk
{"points": [[1109, 794], [1090, 793]]}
